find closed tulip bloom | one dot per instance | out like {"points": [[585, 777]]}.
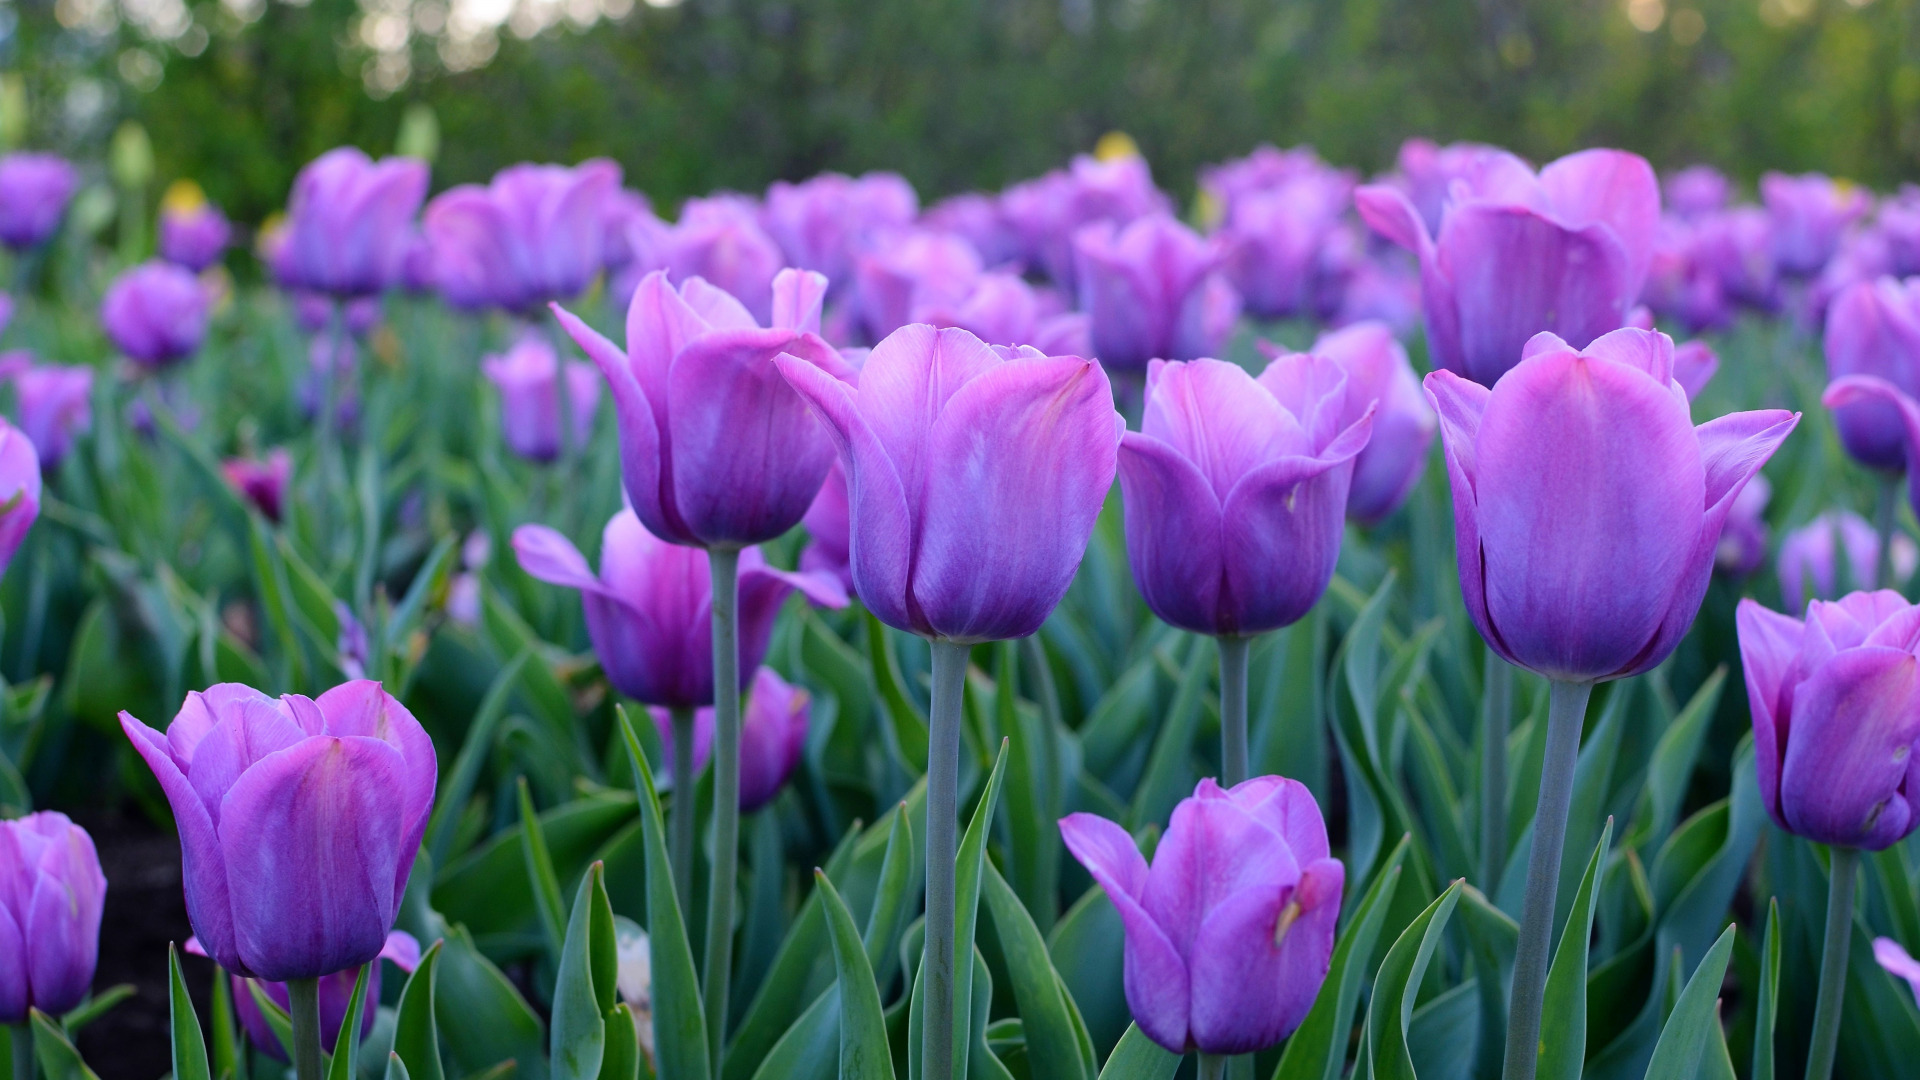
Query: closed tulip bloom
{"points": [[299, 820], [34, 192], [1811, 562], [828, 525], [1809, 213], [1275, 238], [1236, 490], [56, 406], [529, 377], [1873, 328], [51, 896], [535, 234], [999, 308], [155, 313], [1427, 173], [1229, 933], [649, 610], [19, 490], [193, 232], [909, 270], [1565, 252], [1152, 291], [1586, 504], [1743, 537], [1836, 716], [1380, 375], [822, 224], [349, 223], [974, 476], [335, 992], [1698, 190], [262, 482], [773, 732], [717, 449]]}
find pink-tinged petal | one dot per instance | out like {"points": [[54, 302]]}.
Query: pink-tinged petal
{"points": [[1589, 493], [1852, 391], [1873, 328], [1173, 534], [1313, 390], [880, 535], [1898, 963], [1545, 341], [1769, 644], [1212, 849], [907, 382], [1855, 720], [1217, 417], [645, 456], [364, 708], [249, 729], [1613, 188], [15, 994], [1019, 464], [203, 865], [1288, 808], [1460, 404], [1388, 212], [548, 556], [313, 841], [1108, 853], [1248, 991], [1643, 350], [63, 922], [773, 734], [1156, 977], [1694, 365], [763, 589], [403, 950], [797, 297], [716, 306]]}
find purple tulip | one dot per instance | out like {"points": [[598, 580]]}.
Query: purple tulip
{"points": [[1698, 190], [773, 732], [1152, 291], [1045, 214], [262, 482], [1836, 717], [34, 191], [1810, 568], [1586, 505], [1565, 252], [1809, 213], [1379, 374], [1873, 328], [335, 992], [193, 232], [618, 213], [1743, 537], [535, 234], [974, 476], [155, 313], [1694, 366], [349, 223], [1428, 172], [56, 405], [1265, 169], [910, 270], [828, 522], [1381, 289], [1898, 221], [1898, 962], [1680, 283], [717, 449], [19, 490], [1276, 235], [1236, 490], [975, 217], [528, 376], [823, 223], [51, 895], [1230, 931], [650, 609], [719, 239], [299, 820]]}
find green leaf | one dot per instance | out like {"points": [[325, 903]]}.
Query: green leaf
{"points": [[546, 884], [893, 900], [1394, 988], [229, 1047], [1169, 775], [1563, 1019], [346, 1044], [485, 1019], [864, 1053], [579, 1021], [416, 1035], [1139, 1058], [457, 790], [189, 1045], [679, 1025], [1318, 1049], [903, 715], [1052, 1032], [1683, 1042], [396, 1069], [275, 1017], [95, 1007], [59, 1058], [1766, 1012], [969, 864], [1671, 766], [621, 1061]]}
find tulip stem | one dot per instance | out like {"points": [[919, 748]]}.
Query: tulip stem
{"points": [[1886, 513], [303, 1010], [21, 1035], [1213, 1066], [1497, 703], [724, 563], [1233, 708], [1833, 963], [1566, 714], [943, 780], [683, 806]]}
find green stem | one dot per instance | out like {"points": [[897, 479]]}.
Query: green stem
{"points": [[1833, 964], [724, 564], [943, 780], [328, 448], [21, 1036], [303, 1009], [1566, 713], [683, 807], [1886, 513], [1213, 1066], [1498, 707], [569, 462], [1233, 708]]}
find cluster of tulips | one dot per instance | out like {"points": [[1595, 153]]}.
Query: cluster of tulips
{"points": [[943, 400]]}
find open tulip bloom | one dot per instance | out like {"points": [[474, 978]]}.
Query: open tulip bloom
{"points": [[51, 896]]}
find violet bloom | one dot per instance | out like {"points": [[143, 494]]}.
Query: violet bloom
{"points": [[1382, 289], [529, 378], [1427, 173], [1586, 504], [1152, 291], [1266, 168], [1737, 247], [1380, 376], [1873, 328], [1229, 933], [262, 482], [34, 192], [51, 895], [1236, 490], [1275, 237], [55, 405], [720, 239], [193, 232], [349, 223], [1698, 190], [19, 490], [907, 271], [823, 223], [1046, 213], [716, 448], [1565, 252], [1809, 213], [535, 234], [1836, 717], [299, 820], [1898, 963], [1898, 222], [335, 992], [975, 217], [828, 524], [650, 609], [1743, 537], [974, 475], [155, 313], [1680, 284], [773, 732], [1810, 566]]}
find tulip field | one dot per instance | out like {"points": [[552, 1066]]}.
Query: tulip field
{"points": [[1451, 623]]}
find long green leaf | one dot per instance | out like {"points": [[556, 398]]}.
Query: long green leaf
{"points": [[579, 1029], [1563, 1019], [457, 789], [864, 1054], [892, 900], [1046, 1013], [903, 715], [621, 1061], [59, 1058], [1683, 1042], [416, 1034], [189, 1045], [273, 1016], [1139, 1058], [1318, 1048], [1396, 985], [540, 872], [1767, 1010], [346, 1044]]}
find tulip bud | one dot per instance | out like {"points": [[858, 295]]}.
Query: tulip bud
{"points": [[1045, 213], [348, 223], [51, 896], [528, 376], [1380, 375], [910, 270], [193, 231], [1836, 716], [155, 313], [56, 405], [1810, 566], [1276, 233], [299, 820], [773, 732], [1873, 328], [1229, 932], [536, 233], [1152, 290], [34, 191]]}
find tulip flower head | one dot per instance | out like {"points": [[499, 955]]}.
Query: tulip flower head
{"points": [[1809, 213], [910, 270], [299, 820], [1427, 173], [335, 993], [262, 482], [529, 376], [193, 232], [824, 223], [1152, 290], [1379, 374], [1276, 237], [1873, 328], [156, 313], [34, 192], [56, 406], [1044, 214], [51, 896], [1587, 506], [1698, 190], [718, 239], [1229, 933], [773, 732], [535, 234], [349, 220], [19, 490], [1836, 716], [1814, 558]]}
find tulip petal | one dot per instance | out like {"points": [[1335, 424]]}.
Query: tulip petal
{"points": [[63, 923], [1389, 212], [1155, 976], [1769, 643], [15, 994], [797, 296], [1019, 464], [312, 832], [1851, 391], [364, 708], [646, 465], [548, 556], [1213, 848], [1694, 365], [1250, 993], [1889, 955], [1173, 528], [1642, 350], [907, 383], [1219, 418], [403, 949], [1855, 720], [720, 309], [1614, 188], [1288, 808], [203, 867]]}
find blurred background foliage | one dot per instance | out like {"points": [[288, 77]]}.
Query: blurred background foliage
{"points": [[956, 94]]}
